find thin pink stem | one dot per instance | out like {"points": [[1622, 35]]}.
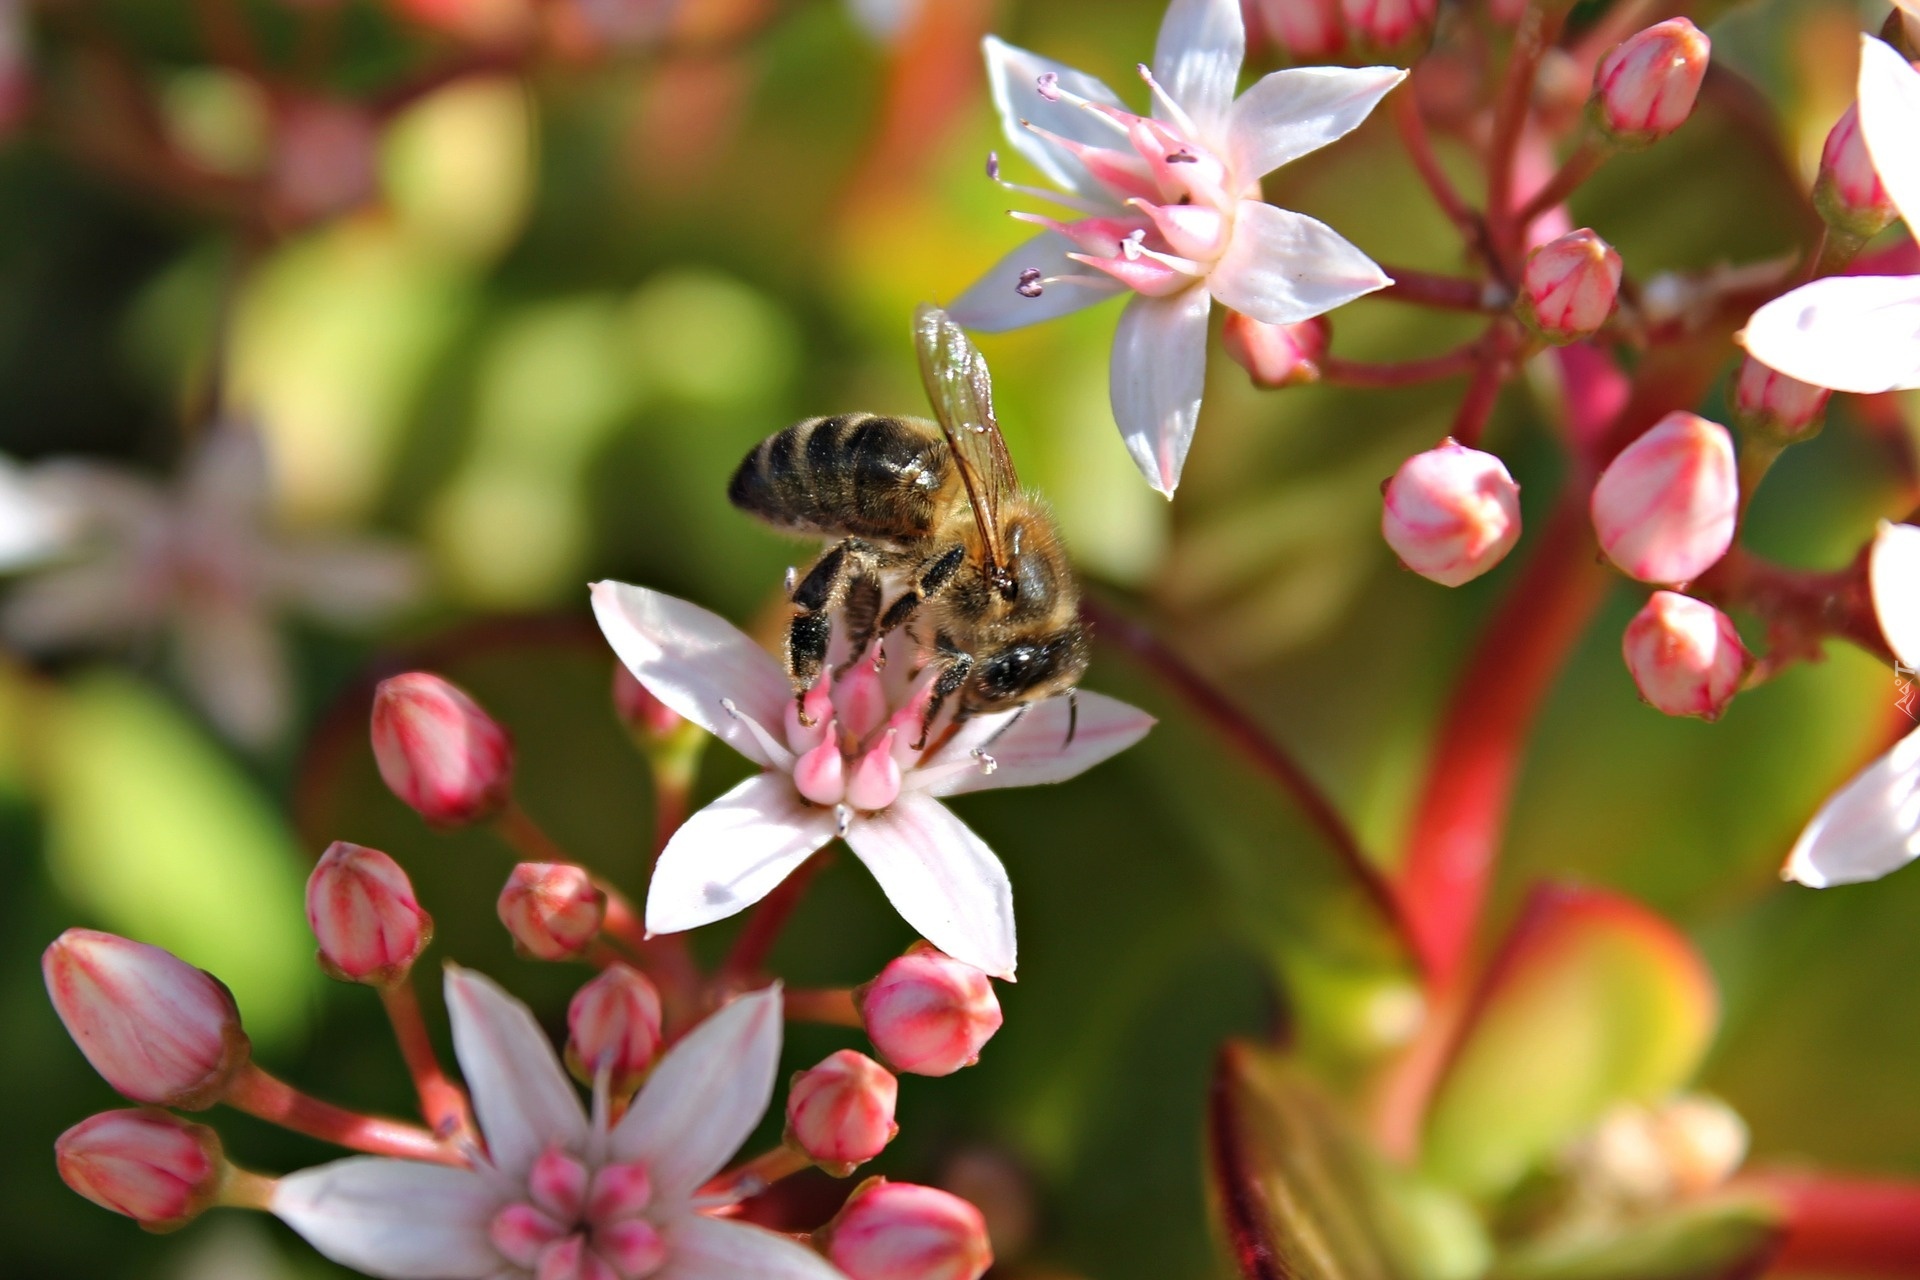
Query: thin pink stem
{"points": [[1402, 373], [1419, 145], [1539, 27], [833, 1006], [1577, 168], [442, 1102], [259, 1094], [756, 1175], [1429, 289], [1843, 1226]]}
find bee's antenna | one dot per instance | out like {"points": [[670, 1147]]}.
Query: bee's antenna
{"points": [[1073, 717]]}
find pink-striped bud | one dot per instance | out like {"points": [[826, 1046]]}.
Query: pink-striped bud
{"points": [[1848, 193], [900, 1231], [1276, 355], [645, 715], [1451, 513], [840, 1113], [613, 1024], [1644, 88], [1306, 30], [155, 1168], [155, 1028], [928, 1013], [1387, 24], [438, 751], [1569, 287], [1665, 509], [364, 915], [552, 909], [1685, 656], [1771, 406]]}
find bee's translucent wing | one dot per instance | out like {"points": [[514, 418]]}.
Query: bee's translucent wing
{"points": [[962, 394]]}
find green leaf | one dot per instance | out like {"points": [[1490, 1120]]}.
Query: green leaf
{"points": [[1707, 1241], [156, 834], [1591, 1000]]}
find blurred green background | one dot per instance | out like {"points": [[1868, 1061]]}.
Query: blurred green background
{"points": [[574, 301]]}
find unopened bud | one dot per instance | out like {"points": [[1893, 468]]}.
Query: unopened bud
{"points": [[1387, 24], [155, 1168], [1276, 355], [929, 1014], [155, 1028], [1771, 406], [613, 1025], [1307, 30], [1644, 88], [840, 1113], [1848, 193], [1685, 656], [364, 915], [438, 751], [650, 719], [1643, 1157], [900, 1231], [1451, 513], [1665, 508], [1569, 287], [552, 909]]}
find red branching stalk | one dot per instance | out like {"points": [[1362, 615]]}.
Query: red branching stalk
{"points": [[259, 1094], [1844, 1226], [1576, 169], [756, 1175], [1428, 289], [1419, 145], [1402, 373], [833, 1006], [442, 1102], [1539, 28]]}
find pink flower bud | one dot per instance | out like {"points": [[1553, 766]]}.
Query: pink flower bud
{"points": [[156, 1028], [1665, 508], [928, 1013], [1276, 355], [1644, 88], [1685, 656], [363, 912], [1848, 193], [900, 1231], [639, 710], [156, 1168], [552, 909], [1451, 513], [840, 1114], [1774, 407], [1385, 24], [1307, 30], [1569, 287], [326, 158], [438, 751], [613, 1022]]}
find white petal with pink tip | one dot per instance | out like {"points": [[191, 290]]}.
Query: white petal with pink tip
{"points": [[1870, 827], [942, 879], [732, 853]]}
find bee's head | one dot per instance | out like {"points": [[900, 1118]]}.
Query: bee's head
{"points": [[1027, 669]]}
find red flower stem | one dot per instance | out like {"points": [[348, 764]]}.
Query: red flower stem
{"points": [[756, 1175], [1463, 806], [527, 837], [1419, 145], [259, 1094], [1842, 1225], [1539, 27], [1576, 169], [442, 1103], [1476, 407], [228, 39], [755, 942], [1403, 373], [833, 1006], [1428, 289], [1240, 733]]}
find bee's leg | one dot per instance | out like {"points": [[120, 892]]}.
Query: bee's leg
{"points": [[861, 612], [1073, 717], [934, 577], [951, 678], [811, 630]]}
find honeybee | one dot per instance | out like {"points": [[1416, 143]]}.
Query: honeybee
{"points": [[934, 506]]}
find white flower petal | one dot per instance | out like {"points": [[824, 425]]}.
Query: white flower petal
{"points": [[1290, 113], [992, 305], [705, 1096], [1036, 749], [35, 525], [1890, 123], [228, 482], [348, 582], [1868, 828], [732, 853], [691, 660], [1851, 333], [1013, 74], [521, 1096], [99, 602], [1894, 572], [231, 655], [398, 1219], [1283, 267], [1197, 60], [1158, 374], [701, 1248], [942, 879]]}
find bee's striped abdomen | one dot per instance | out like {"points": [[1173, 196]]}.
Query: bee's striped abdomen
{"points": [[852, 475]]}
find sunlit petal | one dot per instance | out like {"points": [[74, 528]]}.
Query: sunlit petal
{"points": [[732, 853], [1870, 827], [712, 1249], [1890, 122], [1197, 58], [1290, 113], [1283, 267], [398, 1219], [942, 879], [1035, 749], [1894, 572], [521, 1096], [1851, 333], [1158, 374], [1013, 74], [993, 304]]}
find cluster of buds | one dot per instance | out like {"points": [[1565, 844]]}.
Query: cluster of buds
{"points": [[1311, 31], [928, 1014], [1666, 508], [553, 910], [1277, 355], [1569, 287], [1451, 513], [439, 752], [1644, 88]]}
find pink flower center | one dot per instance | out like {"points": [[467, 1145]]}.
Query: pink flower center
{"points": [[858, 746], [579, 1223]]}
